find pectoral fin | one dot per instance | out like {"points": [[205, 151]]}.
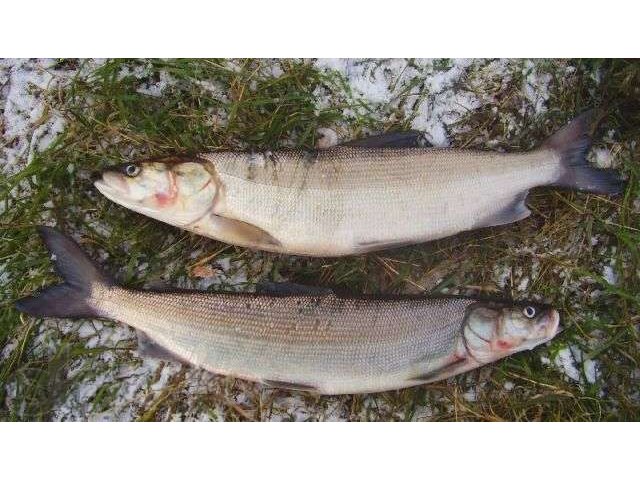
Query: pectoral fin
{"points": [[408, 139], [240, 233], [149, 348], [445, 371]]}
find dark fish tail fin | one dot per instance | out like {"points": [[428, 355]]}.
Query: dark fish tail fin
{"points": [[71, 299], [572, 144]]}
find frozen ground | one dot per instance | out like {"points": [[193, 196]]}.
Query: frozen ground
{"points": [[115, 384]]}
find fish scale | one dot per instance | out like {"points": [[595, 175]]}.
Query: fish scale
{"points": [[366, 340], [348, 198]]}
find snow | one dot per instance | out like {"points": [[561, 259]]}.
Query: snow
{"points": [[523, 284], [368, 79], [422, 89], [609, 275], [8, 349], [327, 138], [536, 87], [573, 363], [27, 124], [470, 395], [565, 361], [590, 370], [501, 274], [423, 412], [602, 157]]}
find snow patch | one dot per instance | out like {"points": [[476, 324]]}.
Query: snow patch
{"points": [[536, 87], [602, 157], [573, 363], [609, 274], [501, 274], [28, 123], [422, 90]]}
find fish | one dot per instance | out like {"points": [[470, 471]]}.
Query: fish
{"points": [[296, 337], [362, 196]]}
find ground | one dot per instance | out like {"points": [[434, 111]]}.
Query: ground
{"points": [[61, 120]]}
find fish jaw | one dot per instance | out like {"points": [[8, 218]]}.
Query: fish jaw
{"points": [[108, 190], [113, 182], [115, 195]]}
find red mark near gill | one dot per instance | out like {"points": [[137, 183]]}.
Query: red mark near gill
{"points": [[503, 344], [163, 199], [457, 357]]}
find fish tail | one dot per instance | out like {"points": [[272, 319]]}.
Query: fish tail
{"points": [[572, 143], [73, 298]]}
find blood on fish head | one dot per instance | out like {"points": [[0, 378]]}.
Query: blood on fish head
{"points": [[493, 330], [175, 191]]}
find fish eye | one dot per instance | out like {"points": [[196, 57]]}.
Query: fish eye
{"points": [[131, 169], [529, 311]]}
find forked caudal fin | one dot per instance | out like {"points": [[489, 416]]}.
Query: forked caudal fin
{"points": [[71, 298], [572, 144]]}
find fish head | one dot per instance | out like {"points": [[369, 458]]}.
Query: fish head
{"points": [[174, 190], [494, 330]]}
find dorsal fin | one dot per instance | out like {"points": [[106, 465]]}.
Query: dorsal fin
{"points": [[286, 288], [406, 139]]}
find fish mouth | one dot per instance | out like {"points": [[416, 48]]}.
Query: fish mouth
{"points": [[111, 183], [116, 189], [113, 186]]}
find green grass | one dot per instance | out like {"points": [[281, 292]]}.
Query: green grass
{"points": [[214, 104]]}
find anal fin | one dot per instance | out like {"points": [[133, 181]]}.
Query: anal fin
{"points": [[373, 245], [513, 211], [149, 348], [301, 387]]}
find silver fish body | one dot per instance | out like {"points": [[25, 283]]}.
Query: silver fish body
{"points": [[316, 342], [326, 344], [351, 199]]}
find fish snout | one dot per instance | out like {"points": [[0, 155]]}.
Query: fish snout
{"points": [[112, 182]]}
